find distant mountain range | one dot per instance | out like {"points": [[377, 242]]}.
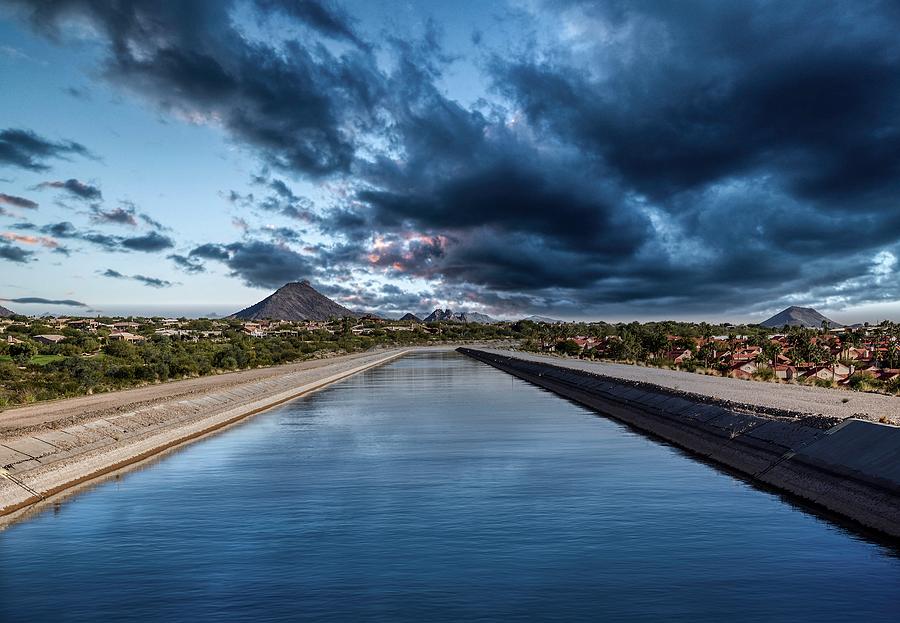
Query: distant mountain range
{"points": [[798, 317], [295, 301], [410, 318], [5, 313], [544, 319], [447, 315]]}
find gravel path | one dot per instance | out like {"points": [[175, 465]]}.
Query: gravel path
{"points": [[782, 396]]}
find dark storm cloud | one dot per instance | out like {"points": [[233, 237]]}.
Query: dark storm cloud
{"points": [[296, 103], [18, 202], [761, 143], [43, 301], [668, 157], [27, 150], [728, 89], [257, 263], [329, 20], [76, 189], [153, 282]]}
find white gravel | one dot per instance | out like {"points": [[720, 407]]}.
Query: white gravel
{"points": [[788, 397]]}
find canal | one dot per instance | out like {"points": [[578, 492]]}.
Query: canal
{"points": [[437, 488]]}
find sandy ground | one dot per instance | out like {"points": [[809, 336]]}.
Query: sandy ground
{"points": [[799, 399]]}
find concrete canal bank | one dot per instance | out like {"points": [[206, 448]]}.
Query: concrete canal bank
{"points": [[852, 469], [42, 455]]}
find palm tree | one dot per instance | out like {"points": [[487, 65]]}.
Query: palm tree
{"points": [[772, 350]]}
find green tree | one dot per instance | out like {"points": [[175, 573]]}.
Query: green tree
{"points": [[23, 352]]}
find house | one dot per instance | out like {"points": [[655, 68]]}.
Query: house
{"points": [[785, 372], [85, 325], [678, 355], [124, 336], [11, 340], [859, 354], [837, 372], [744, 370], [122, 326], [49, 338]]}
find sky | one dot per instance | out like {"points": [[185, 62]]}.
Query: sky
{"points": [[698, 160]]}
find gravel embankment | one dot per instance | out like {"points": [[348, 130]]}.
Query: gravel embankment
{"points": [[787, 398], [46, 448], [57, 413]]}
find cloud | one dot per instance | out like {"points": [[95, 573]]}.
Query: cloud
{"points": [[148, 243], [42, 301], [152, 222], [153, 282], [297, 103], [188, 264], [18, 202], [259, 264], [717, 157], [12, 253], [118, 216], [43, 241], [126, 214], [75, 188], [27, 150]]}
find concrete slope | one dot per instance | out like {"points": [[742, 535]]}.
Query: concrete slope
{"points": [[851, 469], [40, 463]]}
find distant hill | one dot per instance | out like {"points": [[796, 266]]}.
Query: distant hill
{"points": [[295, 301], [798, 317], [5, 313], [447, 315], [410, 318], [544, 319]]}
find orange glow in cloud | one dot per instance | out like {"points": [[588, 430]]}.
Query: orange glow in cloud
{"points": [[50, 243]]}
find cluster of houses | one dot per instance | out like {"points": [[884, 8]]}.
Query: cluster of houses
{"points": [[134, 332], [838, 358], [365, 325]]}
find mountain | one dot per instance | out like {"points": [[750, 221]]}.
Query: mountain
{"points": [[4, 313], [544, 319], [410, 318], [295, 301], [447, 315], [798, 317]]}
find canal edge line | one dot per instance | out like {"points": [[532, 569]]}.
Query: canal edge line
{"points": [[10, 513], [852, 469]]}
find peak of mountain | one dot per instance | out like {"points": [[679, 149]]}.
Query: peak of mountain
{"points": [[543, 319], [447, 315], [295, 301], [798, 317], [5, 313], [409, 317]]}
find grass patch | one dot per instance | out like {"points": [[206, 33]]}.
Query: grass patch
{"points": [[37, 360], [43, 360]]}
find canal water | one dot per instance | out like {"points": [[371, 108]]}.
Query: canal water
{"points": [[437, 488]]}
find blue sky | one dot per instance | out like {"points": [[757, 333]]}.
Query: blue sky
{"points": [[611, 160]]}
